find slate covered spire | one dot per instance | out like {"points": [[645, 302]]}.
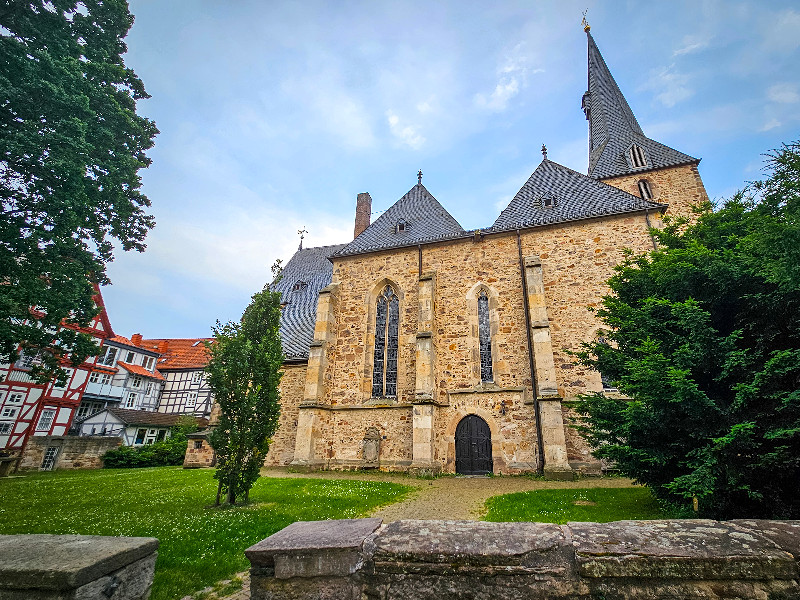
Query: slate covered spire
{"points": [[614, 132]]}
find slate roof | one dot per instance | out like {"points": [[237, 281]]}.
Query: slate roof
{"points": [[426, 221], [574, 196], [613, 128], [145, 417], [309, 266], [179, 353]]}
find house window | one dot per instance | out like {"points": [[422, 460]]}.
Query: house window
{"points": [[131, 401], [401, 226], [384, 371], [485, 337], [130, 357], [137, 381], [140, 433], [636, 156], [49, 460], [147, 362], [644, 189], [299, 286], [5, 428], [197, 377], [9, 412], [46, 419], [28, 360], [548, 201], [94, 377], [107, 358], [15, 398], [148, 386], [198, 444], [88, 408], [191, 399], [105, 379], [162, 433]]}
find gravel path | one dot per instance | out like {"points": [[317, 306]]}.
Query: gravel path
{"points": [[454, 498]]}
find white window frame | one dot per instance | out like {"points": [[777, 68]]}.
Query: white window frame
{"points": [[147, 387], [6, 427], [108, 357], [136, 382], [94, 377], [147, 362], [197, 377], [106, 380], [16, 398], [191, 400], [46, 419], [130, 357], [50, 458], [131, 400], [9, 412]]}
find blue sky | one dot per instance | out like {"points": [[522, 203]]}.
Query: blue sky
{"points": [[275, 115]]}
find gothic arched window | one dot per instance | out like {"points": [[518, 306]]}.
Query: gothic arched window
{"points": [[485, 337], [384, 371]]}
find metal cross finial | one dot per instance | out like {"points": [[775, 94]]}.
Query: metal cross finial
{"points": [[419, 176], [544, 151], [584, 22], [302, 233]]}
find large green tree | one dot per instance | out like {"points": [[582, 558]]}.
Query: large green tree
{"points": [[704, 338], [71, 146], [244, 373]]}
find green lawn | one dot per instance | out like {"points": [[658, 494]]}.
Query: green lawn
{"points": [[200, 545], [600, 505]]}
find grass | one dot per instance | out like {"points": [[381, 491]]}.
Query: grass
{"points": [[600, 505], [199, 545]]}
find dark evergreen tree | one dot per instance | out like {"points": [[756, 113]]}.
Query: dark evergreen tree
{"points": [[704, 337], [71, 146]]}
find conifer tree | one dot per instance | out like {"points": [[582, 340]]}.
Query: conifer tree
{"points": [[704, 338], [244, 375]]}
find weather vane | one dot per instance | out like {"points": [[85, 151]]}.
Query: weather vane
{"points": [[301, 232], [419, 176], [544, 151], [584, 22]]}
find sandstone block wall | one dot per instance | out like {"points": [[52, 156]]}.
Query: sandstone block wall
{"points": [[75, 452], [443, 560], [199, 452], [680, 187], [281, 450]]}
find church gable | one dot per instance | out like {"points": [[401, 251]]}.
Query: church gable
{"points": [[618, 145], [415, 218], [306, 273], [555, 194]]}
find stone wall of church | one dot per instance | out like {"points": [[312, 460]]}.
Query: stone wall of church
{"points": [[680, 187], [577, 258], [281, 451]]}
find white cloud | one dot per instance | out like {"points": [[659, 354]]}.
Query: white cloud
{"points": [[691, 44], [669, 86], [780, 31], [771, 124], [512, 77], [406, 134], [783, 93]]}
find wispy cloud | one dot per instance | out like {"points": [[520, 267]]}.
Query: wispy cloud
{"points": [[784, 93], [669, 85], [405, 134], [512, 78], [691, 44]]}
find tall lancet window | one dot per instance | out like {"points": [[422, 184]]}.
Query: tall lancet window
{"points": [[384, 372], [485, 337]]}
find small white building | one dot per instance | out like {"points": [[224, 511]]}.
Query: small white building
{"points": [[135, 427]]}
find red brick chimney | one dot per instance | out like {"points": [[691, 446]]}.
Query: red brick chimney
{"points": [[363, 213], [136, 338], [162, 346]]}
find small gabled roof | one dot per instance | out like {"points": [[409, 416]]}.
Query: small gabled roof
{"points": [[613, 128], [128, 416], [139, 370], [304, 276], [424, 220], [573, 196]]}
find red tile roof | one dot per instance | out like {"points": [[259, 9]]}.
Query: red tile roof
{"points": [[122, 340], [179, 353], [139, 370]]}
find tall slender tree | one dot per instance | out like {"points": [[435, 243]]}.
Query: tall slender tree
{"points": [[244, 375], [71, 146]]}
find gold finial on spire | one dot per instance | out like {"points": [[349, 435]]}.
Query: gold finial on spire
{"points": [[584, 22]]}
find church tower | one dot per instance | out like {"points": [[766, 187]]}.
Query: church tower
{"points": [[620, 154]]}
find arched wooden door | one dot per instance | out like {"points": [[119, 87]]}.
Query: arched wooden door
{"points": [[473, 446]]}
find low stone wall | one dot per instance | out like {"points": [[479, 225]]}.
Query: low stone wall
{"points": [[199, 452], [440, 560], [74, 452], [76, 567]]}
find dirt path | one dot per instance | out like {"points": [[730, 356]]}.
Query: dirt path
{"points": [[450, 498]]}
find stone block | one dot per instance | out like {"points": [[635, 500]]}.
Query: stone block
{"points": [[75, 567]]}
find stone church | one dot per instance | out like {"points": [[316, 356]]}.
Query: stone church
{"points": [[421, 346]]}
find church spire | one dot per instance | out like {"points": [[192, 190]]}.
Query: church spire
{"points": [[617, 144]]}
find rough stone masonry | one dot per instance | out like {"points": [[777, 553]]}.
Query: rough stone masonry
{"points": [[441, 560]]}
